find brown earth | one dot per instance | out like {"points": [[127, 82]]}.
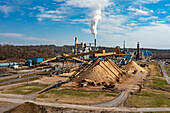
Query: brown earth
{"points": [[50, 80], [28, 108]]}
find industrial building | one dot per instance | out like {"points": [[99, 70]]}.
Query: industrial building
{"points": [[34, 61]]}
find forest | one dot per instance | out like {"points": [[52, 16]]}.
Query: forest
{"points": [[48, 51]]}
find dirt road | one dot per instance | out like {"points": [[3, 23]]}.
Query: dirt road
{"points": [[23, 74], [86, 107], [119, 101]]}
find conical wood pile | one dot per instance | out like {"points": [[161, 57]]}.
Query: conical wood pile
{"points": [[134, 66], [99, 72]]}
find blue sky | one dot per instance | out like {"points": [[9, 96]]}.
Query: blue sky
{"points": [[25, 22]]}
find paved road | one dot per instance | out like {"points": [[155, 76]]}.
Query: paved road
{"points": [[22, 74], [82, 107], [167, 78]]}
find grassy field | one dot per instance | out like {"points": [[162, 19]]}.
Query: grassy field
{"points": [[153, 94], [24, 89], [76, 96], [167, 68], [150, 98], [157, 82], [153, 67]]}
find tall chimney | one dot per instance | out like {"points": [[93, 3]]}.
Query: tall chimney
{"points": [[124, 45], [137, 54], [75, 45], [95, 44]]}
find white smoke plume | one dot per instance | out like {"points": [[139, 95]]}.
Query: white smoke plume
{"points": [[96, 7], [97, 16]]}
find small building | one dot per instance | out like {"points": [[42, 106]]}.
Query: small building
{"points": [[34, 61], [7, 65], [146, 53]]}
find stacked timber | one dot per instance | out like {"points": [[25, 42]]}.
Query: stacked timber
{"points": [[101, 72]]}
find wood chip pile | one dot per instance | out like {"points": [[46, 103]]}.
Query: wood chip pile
{"points": [[105, 73], [132, 66]]}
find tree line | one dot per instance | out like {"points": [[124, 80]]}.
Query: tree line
{"points": [[49, 51], [37, 51]]}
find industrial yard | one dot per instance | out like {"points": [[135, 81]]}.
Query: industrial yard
{"points": [[84, 56], [94, 79]]}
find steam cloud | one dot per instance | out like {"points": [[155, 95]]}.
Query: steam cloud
{"points": [[97, 16], [96, 6]]}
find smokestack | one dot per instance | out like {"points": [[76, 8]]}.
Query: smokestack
{"points": [[94, 22], [95, 44], [137, 54], [75, 52], [124, 45]]}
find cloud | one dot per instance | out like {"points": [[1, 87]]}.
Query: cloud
{"points": [[12, 6], [168, 18], [140, 2], [77, 21], [148, 18], [11, 35], [5, 9], [161, 11], [88, 3], [112, 24], [167, 5], [87, 30], [145, 11], [50, 16], [20, 36], [58, 0], [135, 16], [54, 15], [151, 36], [40, 8], [80, 20], [132, 24], [54, 11]]}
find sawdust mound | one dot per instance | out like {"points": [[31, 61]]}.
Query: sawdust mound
{"points": [[34, 108], [134, 66], [101, 72], [26, 108]]}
